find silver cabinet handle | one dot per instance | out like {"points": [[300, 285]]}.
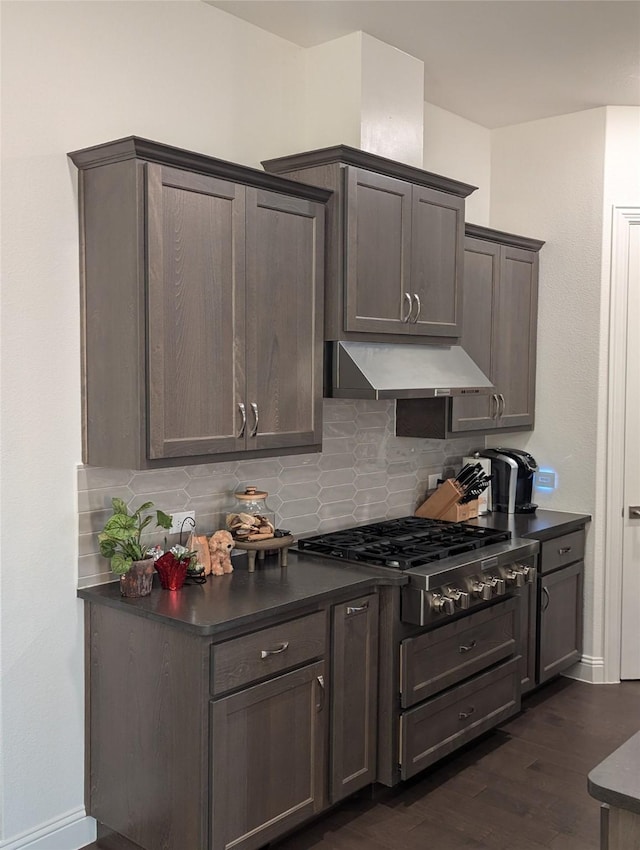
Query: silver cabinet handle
{"points": [[547, 599], [564, 550], [353, 609], [404, 319], [254, 408], [243, 412], [634, 512], [419, 306], [468, 647], [265, 653], [494, 414], [464, 714], [320, 703], [503, 404]]}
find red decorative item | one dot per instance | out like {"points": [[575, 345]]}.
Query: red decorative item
{"points": [[172, 571]]}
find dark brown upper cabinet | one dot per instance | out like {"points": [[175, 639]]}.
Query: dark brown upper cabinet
{"points": [[499, 329], [395, 245], [202, 307]]}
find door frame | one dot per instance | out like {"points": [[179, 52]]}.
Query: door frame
{"points": [[623, 219]]}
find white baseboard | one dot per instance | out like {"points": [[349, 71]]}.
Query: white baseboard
{"points": [[589, 669], [69, 832]]}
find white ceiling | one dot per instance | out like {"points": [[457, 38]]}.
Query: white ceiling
{"points": [[494, 62]]}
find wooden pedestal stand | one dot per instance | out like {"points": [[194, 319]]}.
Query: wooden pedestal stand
{"points": [[261, 547]]}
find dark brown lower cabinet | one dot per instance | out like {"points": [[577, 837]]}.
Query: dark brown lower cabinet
{"points": [[267, 759], [560, 626], [528, 595], [354, 689]]}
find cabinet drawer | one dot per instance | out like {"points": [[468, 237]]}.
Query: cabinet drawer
{"points": [[561, 551], [253, 657], [442, 724], [440, 658]]}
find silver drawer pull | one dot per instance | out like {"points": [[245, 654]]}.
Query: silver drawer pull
{"points": [[254, 408], [419, 306], [320, 703], [564, 550], [356, 609], [265, 653], [462, 715], [471, 645]]}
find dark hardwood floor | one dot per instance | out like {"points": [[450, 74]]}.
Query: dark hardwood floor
{"points": [[522, 787]]}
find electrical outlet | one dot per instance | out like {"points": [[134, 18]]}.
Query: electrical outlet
{"points": [[181, 522], [545, 479], [433, 481]]}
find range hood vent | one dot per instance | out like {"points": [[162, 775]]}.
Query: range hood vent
{"points": [[394, 370]]}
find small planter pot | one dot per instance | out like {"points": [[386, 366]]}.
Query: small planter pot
{"points": [[172, 572], [139, 580]]}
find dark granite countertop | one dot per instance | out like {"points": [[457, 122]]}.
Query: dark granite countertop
{"points": [[240, 598], [542, 525], [616, 780]]}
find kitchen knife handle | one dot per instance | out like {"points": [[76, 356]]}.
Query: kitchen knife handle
{"points": [[419, 305], [254, 408], [243, 412], [404, 319]]}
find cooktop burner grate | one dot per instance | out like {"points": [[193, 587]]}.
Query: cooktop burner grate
{"points": [[402, 543]]}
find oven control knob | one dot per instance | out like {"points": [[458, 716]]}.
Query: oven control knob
{"points": [[442, 604], [529, 573], [460, 598], [481, 589], [498, 584], [515, 576]]}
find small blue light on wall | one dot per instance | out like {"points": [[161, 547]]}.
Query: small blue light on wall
{"points": [[545, 480]]}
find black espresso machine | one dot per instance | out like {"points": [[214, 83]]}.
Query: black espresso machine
{"points": [[512, 478]]}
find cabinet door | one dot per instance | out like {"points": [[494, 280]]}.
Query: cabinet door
{"points": [[267, 761], [354, 695], [560, 628], [284, 311], [437, 259], [481, 287], [195, 322], [515, 340], [378, 246]]}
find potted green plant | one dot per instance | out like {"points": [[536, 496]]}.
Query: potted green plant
{"points": [[121, 542]]}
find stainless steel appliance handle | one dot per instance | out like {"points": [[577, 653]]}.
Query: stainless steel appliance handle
{"points": [[356, 609], [320, 703], [265, 653], [254, 408], [243, 412], [404, 319], [419, 304]]}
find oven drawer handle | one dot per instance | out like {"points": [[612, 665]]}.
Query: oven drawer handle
{"points": [[462, 715], [468, 647], [265, 653], [564, 550], [356, 609]]}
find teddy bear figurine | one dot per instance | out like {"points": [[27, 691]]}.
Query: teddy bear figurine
{"points": [[220, 545]]}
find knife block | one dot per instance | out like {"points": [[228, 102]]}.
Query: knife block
{"points": [[442, 501], [460, 513]]}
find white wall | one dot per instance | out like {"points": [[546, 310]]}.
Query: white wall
{"points": [[459, 149], [77, 74], [557, 180]]}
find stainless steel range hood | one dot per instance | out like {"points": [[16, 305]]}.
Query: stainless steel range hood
{"points": [[395, 370]]}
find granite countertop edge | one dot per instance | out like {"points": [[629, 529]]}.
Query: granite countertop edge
{"points": [[234, 601], [616, 780]]}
